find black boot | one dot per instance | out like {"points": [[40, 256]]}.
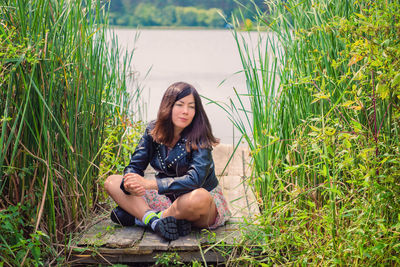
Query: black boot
{"points": [[184, 227], [120, 216], [166, 227]]}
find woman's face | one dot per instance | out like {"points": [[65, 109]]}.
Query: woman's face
{"points": [[183, 113]]}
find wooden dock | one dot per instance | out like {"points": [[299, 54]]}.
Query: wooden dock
{"points": [[108, 243]]}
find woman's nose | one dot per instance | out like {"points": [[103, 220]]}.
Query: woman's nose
{"points": [[185, 110]]}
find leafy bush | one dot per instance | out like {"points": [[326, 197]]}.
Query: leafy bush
{"points": [[118, 146], [18, 245], [325, 140]]}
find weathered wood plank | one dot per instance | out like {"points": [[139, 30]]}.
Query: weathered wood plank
{"points": [[124, 237], [189, 242], [228, 234], [97, 235], [185, 256], [152, 241], [106, 242], [131, 251], [106, 233]]}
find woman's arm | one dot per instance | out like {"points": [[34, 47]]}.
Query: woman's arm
{"points": [[139, 161]]}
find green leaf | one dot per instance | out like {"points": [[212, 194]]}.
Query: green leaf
{"points": [[376, 63], [347, 103], [361, 16], [315, 129], [330, 131], [357, 126], [347, 143], [324, 171], [382, 90], [320, 96], [396, 80], [80, 249], [36, 253]]}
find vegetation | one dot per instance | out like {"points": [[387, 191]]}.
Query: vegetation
{"points": [[62, 85], [118, 146], [324, 122], [178, 13]]}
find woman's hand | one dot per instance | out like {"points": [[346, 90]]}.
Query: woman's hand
{"points": [[137, 185], [135, 189]]}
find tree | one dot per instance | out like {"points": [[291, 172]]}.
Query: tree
{"points": [[168, 16], [214, 18], [146, 15], [187, 16]]}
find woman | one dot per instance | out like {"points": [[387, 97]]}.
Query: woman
{"points": [[185, 192]]}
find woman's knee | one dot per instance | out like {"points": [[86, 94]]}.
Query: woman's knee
{"points": [[112, 183], [200, 199]]}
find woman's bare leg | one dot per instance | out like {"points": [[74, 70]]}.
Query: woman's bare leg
{"points": [[134, 205], [197, 206]]}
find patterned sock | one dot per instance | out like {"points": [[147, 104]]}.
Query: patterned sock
{"points": [[139, 222], [151, 218], [160, 214]]}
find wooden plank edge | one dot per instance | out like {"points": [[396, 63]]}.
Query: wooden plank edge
{"points": [[184, 256]]}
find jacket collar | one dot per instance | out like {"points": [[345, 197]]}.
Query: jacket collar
{"points": [[177, 149]]}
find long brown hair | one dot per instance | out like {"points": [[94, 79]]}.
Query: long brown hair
{"points": [[198, 133]]}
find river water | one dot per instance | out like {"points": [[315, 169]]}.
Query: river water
{"points": [[207, 59]]}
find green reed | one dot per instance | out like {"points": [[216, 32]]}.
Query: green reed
{"points": [[291, 79], [323, 92], [61, 80]]}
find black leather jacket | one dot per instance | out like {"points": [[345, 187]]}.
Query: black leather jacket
{"points": [[179, 172]]}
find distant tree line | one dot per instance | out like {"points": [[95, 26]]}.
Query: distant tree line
{"points": [[170, 13]]}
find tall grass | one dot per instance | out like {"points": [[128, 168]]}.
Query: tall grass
{"points": [[61, 81], [323, 93]]}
